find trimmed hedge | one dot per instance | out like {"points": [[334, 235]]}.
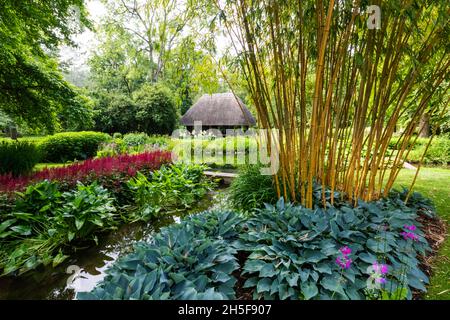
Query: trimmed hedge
{"points": [[70, 146], [18, 157]]}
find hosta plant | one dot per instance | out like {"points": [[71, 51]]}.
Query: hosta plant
{"points": [[195, 259], [299, 253]]}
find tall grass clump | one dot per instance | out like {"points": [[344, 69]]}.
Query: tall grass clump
{"points": [[18, 157]]}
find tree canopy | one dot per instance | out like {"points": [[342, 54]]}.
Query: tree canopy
{"points": [[32, 89]]}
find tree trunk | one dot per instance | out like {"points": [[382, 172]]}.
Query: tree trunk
{"points": [[424, 126]]}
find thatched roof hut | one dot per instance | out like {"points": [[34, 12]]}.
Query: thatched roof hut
{"points": [[220, 111]]}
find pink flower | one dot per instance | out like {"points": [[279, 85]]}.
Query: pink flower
{"points": [[380, 280], [345, 250], [344, 261], [410, 235], [410, 228], [380, 268]]}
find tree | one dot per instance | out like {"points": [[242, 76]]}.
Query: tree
{"points": [[32, 89], [156, 111]]}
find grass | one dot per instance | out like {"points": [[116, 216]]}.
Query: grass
{"points": [[434, 183]]}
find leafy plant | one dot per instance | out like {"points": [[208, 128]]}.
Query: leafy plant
{"points": [[171, 188], [293, 250], [191, 260], [250, 190], [18, 157], [69, 146], [43, 220]]}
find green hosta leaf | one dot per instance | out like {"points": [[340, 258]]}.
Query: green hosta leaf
{"points": [[309, 290], [268, 270], [263, 285], [378, 246], [333, 284], [313, 256]]}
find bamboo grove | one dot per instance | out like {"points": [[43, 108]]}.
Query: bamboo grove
{"points": [[336, 89]]}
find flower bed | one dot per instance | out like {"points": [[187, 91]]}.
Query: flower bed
{"points": [[89, 170]]}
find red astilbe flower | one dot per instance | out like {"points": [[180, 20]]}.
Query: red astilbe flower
{"points": [[122, 165]]}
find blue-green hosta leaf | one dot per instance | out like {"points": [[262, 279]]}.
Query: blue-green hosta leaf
{"points": [[378, 246], [263, 285], [268, 270], [253, 266], [333, 284], [292, 279], [367, 257], [309, 290], [313, 256], [323, 267], [416, 283], [251, 282]]}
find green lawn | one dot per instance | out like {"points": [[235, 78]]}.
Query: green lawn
{"points": [[435, 184]]}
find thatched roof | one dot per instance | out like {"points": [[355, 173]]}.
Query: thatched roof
{"points": [[219, 109]]}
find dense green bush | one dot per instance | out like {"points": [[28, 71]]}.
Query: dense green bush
{"points": [[135, 139], [18, 157], [156, 111], [69, 146], [286, 252], [115, 114], [250, 190]]}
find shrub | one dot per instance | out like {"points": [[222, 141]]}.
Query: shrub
{"points": [[117, 135], [156, 110], [191, 260], [110, 171], [250, 190], [115, 113], [135, 139], [71, 146], [18, 157], [437, 153]]}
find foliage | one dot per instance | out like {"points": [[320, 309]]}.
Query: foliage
{"points": [[171, 188], [44, 219], [18, 157], [156, 112], [303, 244], [110, 171], [133, 143], [191, 260], [32, 89], [290, 253], [437, 153], [114, 113], [244, 195], [324, 80], [69, 146]]}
